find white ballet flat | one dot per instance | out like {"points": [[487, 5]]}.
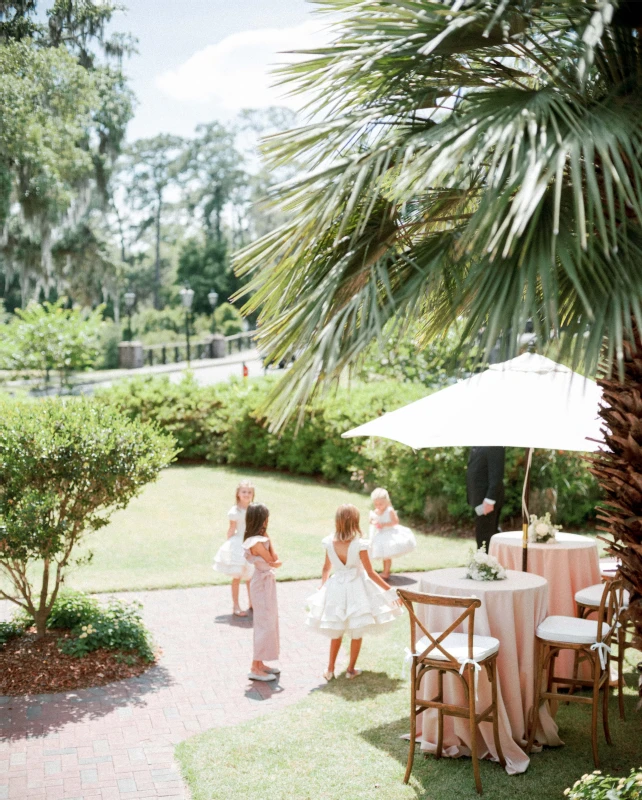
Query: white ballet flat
{"points": [[351, 675], [273, 670], [328, 675], [269, 677]]}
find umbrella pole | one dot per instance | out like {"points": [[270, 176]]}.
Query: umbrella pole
{"points": [[525, 500]]}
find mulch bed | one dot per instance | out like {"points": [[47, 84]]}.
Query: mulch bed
{"points": [[30, 666]]}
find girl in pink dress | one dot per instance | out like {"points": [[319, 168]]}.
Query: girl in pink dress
{"points": [[260, 553]]}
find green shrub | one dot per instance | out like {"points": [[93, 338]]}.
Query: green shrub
{"points": [[9, 630], [595, 786], [111, 335], [222, 424], [73, 608], [115, 626]]}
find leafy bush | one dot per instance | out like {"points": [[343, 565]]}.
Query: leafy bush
{"points": [[115, 626], [223, 424], [401, 358], [227, 320], [65, 467], [111, 334], [51, 338], [73, 608], [11, 629], [595, 786]]}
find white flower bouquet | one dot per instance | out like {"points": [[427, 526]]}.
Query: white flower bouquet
{"points": [[542, 529], [483, 567]]}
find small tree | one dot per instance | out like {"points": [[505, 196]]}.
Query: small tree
{"points": [[51, 338], [65, 467]]}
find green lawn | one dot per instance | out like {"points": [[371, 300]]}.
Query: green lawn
{"points": [[168, 536], [343, 743]]}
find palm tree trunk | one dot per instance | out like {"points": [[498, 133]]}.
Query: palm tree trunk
{"points": [[619, 472]]}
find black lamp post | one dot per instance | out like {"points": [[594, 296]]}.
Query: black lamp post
{"points": [[130, 300], [187, 298], [213, 298]]}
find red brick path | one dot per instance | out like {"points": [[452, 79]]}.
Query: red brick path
{"points": [[117, 742]]}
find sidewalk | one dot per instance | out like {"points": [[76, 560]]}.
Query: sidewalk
{"points": [[117, 742]]}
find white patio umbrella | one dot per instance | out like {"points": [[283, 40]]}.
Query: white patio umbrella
{"points": [[528, 402]]}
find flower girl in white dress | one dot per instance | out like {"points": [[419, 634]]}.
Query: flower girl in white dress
{"points": [[354, 600], [388, 539], [230, 558]]}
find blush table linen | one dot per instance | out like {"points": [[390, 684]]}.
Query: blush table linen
{"points": [[569, 564], [510, 611]]}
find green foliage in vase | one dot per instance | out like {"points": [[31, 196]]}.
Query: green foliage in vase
{"points": [[51, 338], [64, 468]]}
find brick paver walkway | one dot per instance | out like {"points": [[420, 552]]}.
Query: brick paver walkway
{"points": [[117, 742]]}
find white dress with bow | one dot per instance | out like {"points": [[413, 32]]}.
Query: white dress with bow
{"points": [[350, 602]]}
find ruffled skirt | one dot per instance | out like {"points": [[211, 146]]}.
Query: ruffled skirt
{"points": [[230, 559], [392, 542], [354, 607]]}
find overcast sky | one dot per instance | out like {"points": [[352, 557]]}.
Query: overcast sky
{"points": [[201, 60]]}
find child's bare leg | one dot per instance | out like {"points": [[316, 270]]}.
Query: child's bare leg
{"points": [[387, 564], [236, 582], [335, 646], [355, 648], [249, 596]]}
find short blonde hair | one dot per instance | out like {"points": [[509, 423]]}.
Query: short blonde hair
{"points": [[346, 521], [245, 485], [380, 494]]}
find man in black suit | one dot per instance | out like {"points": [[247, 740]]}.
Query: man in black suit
{"points": [[485, 485]]}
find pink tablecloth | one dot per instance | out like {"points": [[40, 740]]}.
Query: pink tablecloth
{"points": [[569, 564], [510, 611]]}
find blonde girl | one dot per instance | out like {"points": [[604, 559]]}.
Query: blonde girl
{"points": [[388, 539], [352, 599], [230, 558]]}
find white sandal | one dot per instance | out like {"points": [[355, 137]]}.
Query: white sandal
{"points": [[328, 675], [254, 677], [351, 675]]}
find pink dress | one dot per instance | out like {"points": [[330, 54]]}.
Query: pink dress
{"points": [[266, 612]]}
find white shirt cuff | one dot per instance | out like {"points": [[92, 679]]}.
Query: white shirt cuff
{"points": [[490, 502]]}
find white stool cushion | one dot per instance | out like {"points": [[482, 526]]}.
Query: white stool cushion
{"points": [[592, 596], [457, 645], [570, 630]]}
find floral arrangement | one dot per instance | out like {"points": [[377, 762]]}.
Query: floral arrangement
{"points": [[542, 529], [483, 567], [596, 786]]}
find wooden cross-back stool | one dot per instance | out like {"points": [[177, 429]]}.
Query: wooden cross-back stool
{"points": [[461, 655], [591, 640], [588, 602]]}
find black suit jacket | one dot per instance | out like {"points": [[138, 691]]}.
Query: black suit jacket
{"points": [[485, 475]]}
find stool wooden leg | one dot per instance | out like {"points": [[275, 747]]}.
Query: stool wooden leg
{"points": [[498, 744], [472, 711], [413, 720], [594, 709], [540, 653], [606, 689], [440, 714], [621, 649]]}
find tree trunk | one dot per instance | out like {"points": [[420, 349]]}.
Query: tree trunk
{"points": [[157, 266], [619, 473]]}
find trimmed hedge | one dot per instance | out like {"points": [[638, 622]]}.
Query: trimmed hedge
{"points": [[221, 424]]}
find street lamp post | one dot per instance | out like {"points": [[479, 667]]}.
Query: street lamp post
{"points": [[130, 300], [213, 298], [187, 297]]}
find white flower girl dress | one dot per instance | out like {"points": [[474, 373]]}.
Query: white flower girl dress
{"points": [[350, 602], [230, 558], [389, 542]]}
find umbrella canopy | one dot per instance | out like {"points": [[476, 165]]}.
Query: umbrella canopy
{"points": [[529, 401]]}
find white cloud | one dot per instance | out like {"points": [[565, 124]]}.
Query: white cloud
{"points": [[236, 72]]}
